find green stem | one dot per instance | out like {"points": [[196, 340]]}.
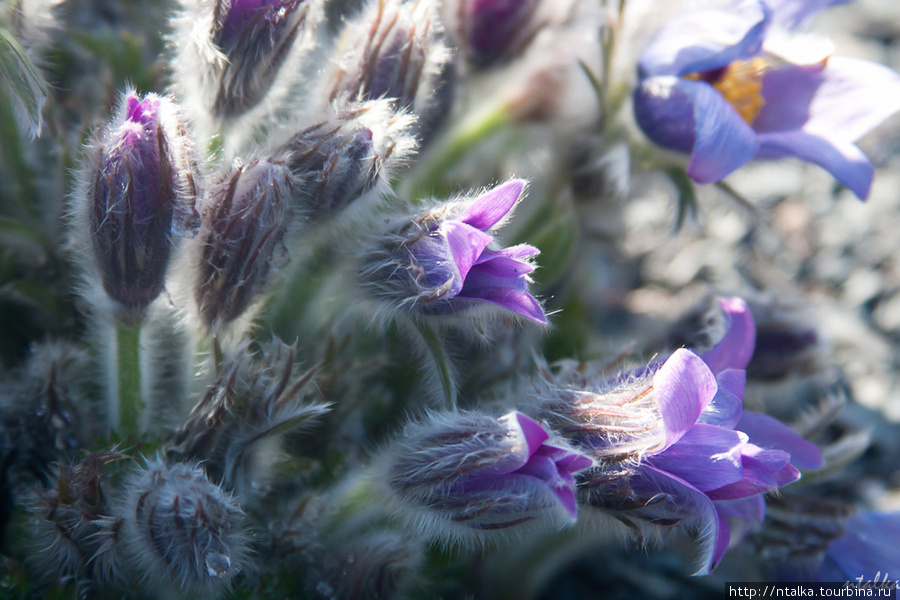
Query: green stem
{"points": [[453, 147], [433, 343], [128, 365]]}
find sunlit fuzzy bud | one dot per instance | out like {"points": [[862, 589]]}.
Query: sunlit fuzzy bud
{"points": [[352, 155], [445, 261], [368, 567], [491, 32], [454, 475], [254, 398], [182, 533], [229, 53], [73, 527], [244, 217], [137, 192], [392, 50]]}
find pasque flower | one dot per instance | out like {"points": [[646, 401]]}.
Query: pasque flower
{"points": [[481, 473], [731, 85], [677, 445], [443, 262]]}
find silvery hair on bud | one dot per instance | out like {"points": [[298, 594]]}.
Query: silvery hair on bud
{"points": [[393, 49], [346, 155], [241, 84], [184, 534]]}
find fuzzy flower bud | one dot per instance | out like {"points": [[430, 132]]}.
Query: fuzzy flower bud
{"points": [[244, 218], [338, 161], [74, 526], [393, 50], [460, 473], [442, 262], [230, 52], [138, 187], [253, 398], [182, 532]]}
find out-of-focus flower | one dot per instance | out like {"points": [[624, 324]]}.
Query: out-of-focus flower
{"points": [[138, 191], [393, 50], [490, 32], [730, 85], [677, 445], [441, 262], [461, 472], [244, 218]]}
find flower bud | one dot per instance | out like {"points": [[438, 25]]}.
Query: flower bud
{"points": [[338, 161], [139, 187], [442, 262], [253, 398], [393, 50], [460, 473], [231, 52], [244, 217], [182, 533]]}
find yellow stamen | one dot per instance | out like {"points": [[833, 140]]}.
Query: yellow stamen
{"points": [[741, 86]]}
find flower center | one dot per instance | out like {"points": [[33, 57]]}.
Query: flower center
{"points": [[740, 83]]}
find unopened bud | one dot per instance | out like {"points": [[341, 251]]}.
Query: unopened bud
{"points": [[182, 532], [245, 215], [138, 190], [393, 50], [338, 161], [491, 32]]}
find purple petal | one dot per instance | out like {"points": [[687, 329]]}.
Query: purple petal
{"points": [[843, 160], [854, 97], [788, 93], [742, 515], [714, 530], [724, 141], [488, 209], [503, 264], [532, 431], [466, 244], [665, 113], [518, 301], [703, 40], [735, 349], [706, 456], [791, 14], [725, 408], [768, 432], [869, 547], [683, 387]]}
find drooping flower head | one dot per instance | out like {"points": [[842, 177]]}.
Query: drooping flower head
{"points": [[672, 442], [730, 85], [245, 215], [474, 472], [139, 190], [350, 154], [444, 261]]}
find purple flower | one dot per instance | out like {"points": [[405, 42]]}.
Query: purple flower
{"points": [[483, 473], [673, 444], [867, 552], [437, 264], [494, 31], [727, 86], [140, 178]]}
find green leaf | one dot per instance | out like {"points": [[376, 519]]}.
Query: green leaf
{"points": [[687, 197], [26, 80]]}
